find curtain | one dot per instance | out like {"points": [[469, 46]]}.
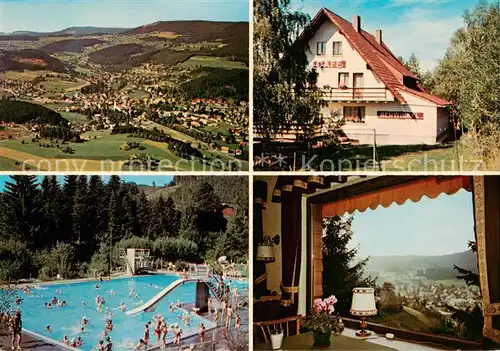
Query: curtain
{"points": [[412, 190], [487, 219]]}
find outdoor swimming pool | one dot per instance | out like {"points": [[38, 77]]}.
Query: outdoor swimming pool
{"points": [[127, 329]]}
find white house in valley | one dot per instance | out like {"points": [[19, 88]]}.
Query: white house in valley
{"points": [[364, 83]]}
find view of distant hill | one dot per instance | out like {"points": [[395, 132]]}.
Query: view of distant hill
{"points": [[466, 260], [71, 31]]}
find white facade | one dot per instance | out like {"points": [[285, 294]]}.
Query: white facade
{"points": [[357, 94]]}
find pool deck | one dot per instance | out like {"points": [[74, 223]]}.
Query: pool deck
{"points": [[28, 343]]}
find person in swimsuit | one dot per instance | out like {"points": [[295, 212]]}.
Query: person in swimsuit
{"points": [[229, 317], [142, 345], [177, 334], [146, 334], [216, 317], [109, 344], [202, 332], [158, 329], [164, 332], [209, 306], [99, 347], [66, 339], [16, 327], [238, 323], [79, 341]]}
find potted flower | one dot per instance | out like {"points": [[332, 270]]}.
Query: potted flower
{"points": [[276, 337], [323, 322]]}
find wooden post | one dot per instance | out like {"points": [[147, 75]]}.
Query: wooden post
{"points": [[202, 295]]}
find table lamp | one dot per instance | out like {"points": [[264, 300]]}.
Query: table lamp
{"points": [[363, 305]]}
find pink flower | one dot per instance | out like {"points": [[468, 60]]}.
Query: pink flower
{"points": [[332, 300]]}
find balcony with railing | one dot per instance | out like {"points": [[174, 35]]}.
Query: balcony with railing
{"points": [[356, 94]]}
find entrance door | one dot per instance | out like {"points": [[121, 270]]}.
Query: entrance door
{"points": [[357, 85]]}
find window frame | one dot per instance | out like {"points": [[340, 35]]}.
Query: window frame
{"points": [[346, 80], [339, 45], [356, 113], [323, 46]]}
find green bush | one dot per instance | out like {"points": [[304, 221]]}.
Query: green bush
{"points": [[181, 265], [175, 249], [135, 242], [15, 260]]}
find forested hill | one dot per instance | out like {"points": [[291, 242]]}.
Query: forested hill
{"points": [[21, 112]]}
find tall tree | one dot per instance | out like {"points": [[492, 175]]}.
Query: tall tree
{"points": [[469, 75], [25, 221], [284, 89], [341, 273], [69, 191], [81, 230]]}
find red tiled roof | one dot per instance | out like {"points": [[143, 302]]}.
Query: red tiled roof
{"points": [[379, 57]]}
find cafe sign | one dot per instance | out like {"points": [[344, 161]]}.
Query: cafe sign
{"points": [[399, 115], [329, 64]]}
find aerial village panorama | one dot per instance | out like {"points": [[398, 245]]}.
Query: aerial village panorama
{"points": [[169, 95]]}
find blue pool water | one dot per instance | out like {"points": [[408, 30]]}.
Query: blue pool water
{"points": [[127, 330]]}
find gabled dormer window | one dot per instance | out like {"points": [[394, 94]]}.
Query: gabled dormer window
{"points": [[321, 48], [337, 48]]}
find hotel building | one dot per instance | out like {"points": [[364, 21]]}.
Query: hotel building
{"points": [[364, 83]]}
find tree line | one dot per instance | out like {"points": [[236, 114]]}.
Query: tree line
{"points": [[21, 112], [74, 226]]}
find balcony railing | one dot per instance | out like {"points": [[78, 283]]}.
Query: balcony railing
{"points": [[356, 94]]}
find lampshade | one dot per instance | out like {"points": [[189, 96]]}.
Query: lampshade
{"points": [[265, 252], [363, 302]]}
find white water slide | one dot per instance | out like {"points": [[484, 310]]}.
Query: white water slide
{"points": [[152, 302]]}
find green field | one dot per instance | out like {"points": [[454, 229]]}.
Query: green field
{"points": [[222, 128], [104, 147], [73, 117], [8, 165], [138, 94], [61, 85], [213, 62]]}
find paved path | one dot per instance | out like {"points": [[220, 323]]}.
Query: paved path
{"points": [[28, 343]]}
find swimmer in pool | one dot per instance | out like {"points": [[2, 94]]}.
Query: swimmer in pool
{"points": [[109, 325], [49, 306], [123, 307], [131, 293], [79, 341], [142, 345], [54, 300], [172, 307], [47, 329], [178, 304], [97, 287], [85, 321], [83, 304], [99, 347], [66, 340]]}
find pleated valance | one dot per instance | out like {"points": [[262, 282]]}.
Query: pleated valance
{"points": [[431, 187]]}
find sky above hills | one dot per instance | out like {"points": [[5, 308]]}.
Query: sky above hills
{"points": [[158, 180], [423, 27], [439, 226], [54, 15]]}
